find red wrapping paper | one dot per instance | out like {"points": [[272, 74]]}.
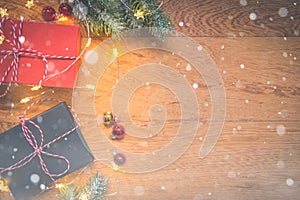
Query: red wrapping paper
{"points": [[51, 39]]}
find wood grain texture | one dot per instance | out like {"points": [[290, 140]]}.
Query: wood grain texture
{"points": [[254, 156], [230, 18]]}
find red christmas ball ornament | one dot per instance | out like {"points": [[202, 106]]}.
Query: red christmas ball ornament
{"points": [[65, 9], [48, 13], [118, 132], [119, 158]]}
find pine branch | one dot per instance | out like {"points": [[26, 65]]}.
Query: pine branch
{"points": [[111, 17], [96, 187], [69, 192]]}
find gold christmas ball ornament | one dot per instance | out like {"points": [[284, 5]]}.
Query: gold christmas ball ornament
{"points": [[108, 118]]}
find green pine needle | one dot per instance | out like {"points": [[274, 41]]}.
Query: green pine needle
{"points": [[94, 189], [69, 193], [97, 187], [111, 17]]}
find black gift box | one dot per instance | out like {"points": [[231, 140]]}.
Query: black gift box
{"points": [[30, 179]]}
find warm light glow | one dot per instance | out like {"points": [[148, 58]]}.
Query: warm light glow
{"points": [[140, 13], [3, 12], [60, 186], [2, 38], [115, 52], [62, 18], [115, 167], [3, 187], [37, 87], [29, 4], [89, 42], [25, 100]]}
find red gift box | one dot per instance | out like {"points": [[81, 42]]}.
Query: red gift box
{"points": [[41, 46]]}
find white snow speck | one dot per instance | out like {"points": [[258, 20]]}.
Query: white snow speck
{"points": [[234, 131], [280, 130], [163, 187], [39, 119], [91, 57], [284, 78], [271, 19], [10, 173], [253, 16], [283, 12], [188, 67], [247, 101], [242, 66], [181, 24], [290, 182], [222, 47], [139, 191], [199, 48], [28, 64], [42, 187], [15, 149], [27, 187], [206, 104], [22, 39], [243, 2], [195, 85], [34, 178], [209, 193], [224, 72]]}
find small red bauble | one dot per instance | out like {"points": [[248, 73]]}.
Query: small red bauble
{"points": [[65, 9], [118, 132], [119, 159], [48, 13]]}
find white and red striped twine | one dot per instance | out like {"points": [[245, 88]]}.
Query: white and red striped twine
{"points": [[39, 148]]}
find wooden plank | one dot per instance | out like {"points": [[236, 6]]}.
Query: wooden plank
{"points": [[232, 17]]}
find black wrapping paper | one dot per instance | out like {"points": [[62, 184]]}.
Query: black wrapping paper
{"points": [[30, 179]]}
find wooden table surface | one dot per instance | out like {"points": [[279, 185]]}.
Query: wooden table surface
{"points": [[257, 155]]}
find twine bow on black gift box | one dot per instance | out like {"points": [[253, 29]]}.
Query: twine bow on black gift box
{"points": [[39, 147]]}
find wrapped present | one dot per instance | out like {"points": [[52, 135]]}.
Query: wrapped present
{"points": [[41, 150], [31, 52]]}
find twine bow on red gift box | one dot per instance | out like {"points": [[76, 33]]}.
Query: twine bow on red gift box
{"points": [[17, 51], [38, 148]]}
